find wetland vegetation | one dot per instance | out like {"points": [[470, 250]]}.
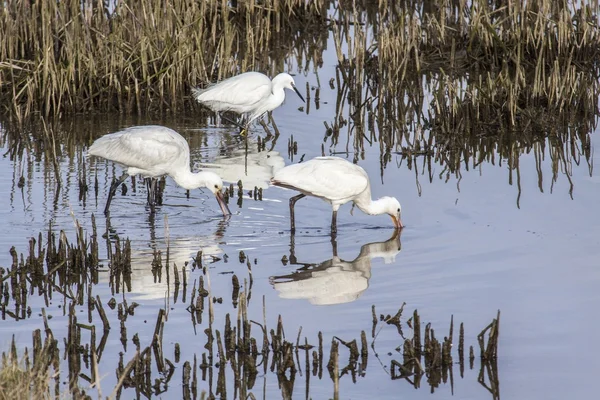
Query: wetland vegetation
{"points": [[435, 90], [231, 357]]}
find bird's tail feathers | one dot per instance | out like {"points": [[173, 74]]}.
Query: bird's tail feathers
{"points": [[196, 92]]}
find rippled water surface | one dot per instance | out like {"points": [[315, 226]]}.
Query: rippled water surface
{"points": [[473, 244]]}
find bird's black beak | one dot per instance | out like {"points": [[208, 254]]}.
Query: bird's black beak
{"points": [[298, 93], [222, 203]]}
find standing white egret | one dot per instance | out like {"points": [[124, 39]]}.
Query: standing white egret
{"points": [[154, 151], [337, 181], [250, 94]]}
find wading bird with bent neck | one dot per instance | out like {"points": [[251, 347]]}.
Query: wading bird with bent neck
{"points": [[337, 181], [154, 151], [250, 94]]}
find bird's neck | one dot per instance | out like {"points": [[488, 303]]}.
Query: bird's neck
{"points": [[277, 97], [189, 180], [386, 250], [369, 206]]}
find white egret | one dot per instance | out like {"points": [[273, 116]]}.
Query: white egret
{"points": [[337, 181], [154, 151], [250, 94]]}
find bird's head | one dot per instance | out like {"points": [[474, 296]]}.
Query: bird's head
{"points": [[214, 183], [394, 210], [286, 81]]}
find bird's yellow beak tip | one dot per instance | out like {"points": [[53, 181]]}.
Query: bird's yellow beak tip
{"points": [[397, 223]]}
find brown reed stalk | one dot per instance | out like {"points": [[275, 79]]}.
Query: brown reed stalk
{"points": [[66, 56]]}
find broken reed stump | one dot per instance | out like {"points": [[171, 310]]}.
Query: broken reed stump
{"points": [[237, 350], [489, 357], [54, 268], [435, 357]]}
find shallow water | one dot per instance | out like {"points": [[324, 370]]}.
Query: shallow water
{"points": [[471, 246]]}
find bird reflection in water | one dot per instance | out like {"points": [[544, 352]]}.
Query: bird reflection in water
{"points": [[244, 161], [147, 281], [335, 281]]}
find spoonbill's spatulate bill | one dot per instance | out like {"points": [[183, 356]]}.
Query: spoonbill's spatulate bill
{"points": [[154, 151], [250, 94], [337, 181]]}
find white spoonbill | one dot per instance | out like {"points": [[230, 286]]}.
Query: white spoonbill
{"points": [[154, 151], [250, 94], [337, 181]]}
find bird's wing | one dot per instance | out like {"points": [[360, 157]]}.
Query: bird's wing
{"points": [[142, 147], [331, 178], [242, 90]]}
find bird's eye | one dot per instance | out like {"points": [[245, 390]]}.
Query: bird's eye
{"points": [[398, 210], [216, 186]]}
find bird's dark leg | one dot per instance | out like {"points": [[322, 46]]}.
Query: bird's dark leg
{"points": [[334, 246], [113, 189], [266, 128], [148, 192], [275, 128], [151, 182], [293, 259], [152, 225], [147, 183], [160, 190], [334, 224], [293, 201], [243, 125]]}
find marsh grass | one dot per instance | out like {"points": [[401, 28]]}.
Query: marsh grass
{"points": [[462, 82], [74, 56], [454, 83], [20, 379], [501, 59], [483, 61]]}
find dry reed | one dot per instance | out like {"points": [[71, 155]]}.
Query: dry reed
{"points": [[462, 82], [137, 55]]}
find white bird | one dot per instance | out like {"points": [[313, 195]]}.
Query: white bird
{"points": [[154, 151], [335, 281], [250, 94], [337, 181]]}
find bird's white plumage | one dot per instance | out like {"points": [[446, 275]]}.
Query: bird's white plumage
{"points": [[239, 93], [332, 179], [251, 94], [150, 151], [154, 151], [337, 181]]}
